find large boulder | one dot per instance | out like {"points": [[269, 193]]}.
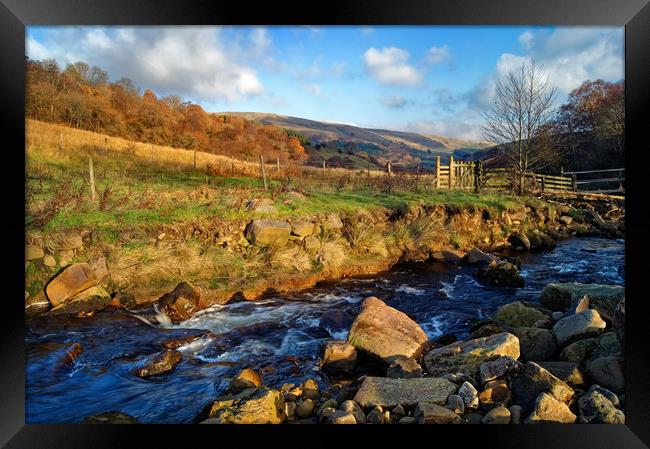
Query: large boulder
{"points": [[603, 298], [72, 280], [477, 257], [503, 274], [448, 255], [466, 357], [575, 327], [331, 222], [36, 304], [260, 406], [88, 301], [534, 380], [338, 356], [268, 232], [302, 228], [181, 303], [386, 392], [404, 368], [608, 372], [502, 367], [160, 363], [536, 344], [516, 314], [596, 408], [547, 409], [386, 332]]}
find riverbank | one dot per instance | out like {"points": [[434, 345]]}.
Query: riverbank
{"points": [[186, 267]]}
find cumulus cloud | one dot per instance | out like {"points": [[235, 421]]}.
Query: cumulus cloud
{"points": [[189, 61], [438, 55], [390, 66], [394, 102]]}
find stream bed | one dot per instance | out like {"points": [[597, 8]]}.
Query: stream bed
{"points": [[278, 335]]}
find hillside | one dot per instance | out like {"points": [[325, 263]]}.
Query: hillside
{"points": [[399, 147]]}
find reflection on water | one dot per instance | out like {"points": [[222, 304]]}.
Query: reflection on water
{"points": [[279, 334]]}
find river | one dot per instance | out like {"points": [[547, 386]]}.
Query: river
{"points": [[279, 335]]}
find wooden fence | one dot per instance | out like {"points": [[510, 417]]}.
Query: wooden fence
{"points": [[598, 181]]}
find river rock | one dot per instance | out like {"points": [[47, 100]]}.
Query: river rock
{"points": [[36, 304], [403, 368], [565, 371], [575, 327], [534, 380], [302, 228], [502, 274], [160, 363], [375, 416], [547, 409], [517, 314], [494, 392], [305, 408], [336, 320], [49, 261], [99, 267], [448, 256], [536, 344], [596, 408], [72, 280], [69, 242], [603, 298], [110, 418], [540, 241], [477, 257], [501, 367], [497, 415], [247, 378], [515, 414], [608, 372], [565, 220], [353, 408], [33, 252], [88, 301], [469, 394], [456, 404], [387, 392], [430, 413], [613, 398], [290, 409], [338, 356], [386, 332], [485, 330], [181, 303], [261, 407], [124, 300], [310, 390], [473, 418], [519, 241], [340, 417], [466, 357], [268, 232], [579, 351]]}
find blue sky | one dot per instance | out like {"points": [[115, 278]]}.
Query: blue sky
{"points": [[426, 79]]}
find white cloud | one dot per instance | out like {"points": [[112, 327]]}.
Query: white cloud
{"points": [[189, 61], [367, 31], [526, 39], [394, 102], [313, 88], [448, 128], [437, 55], [390, 66]]}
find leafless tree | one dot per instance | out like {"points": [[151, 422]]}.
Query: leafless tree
{"points": [[520, 121]]}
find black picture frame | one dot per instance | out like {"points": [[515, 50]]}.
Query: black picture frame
{"points": [[16, 14]]}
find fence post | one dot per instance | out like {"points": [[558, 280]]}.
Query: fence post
{"points": [[194, 160], [437, 172], [451, 172], [263, 171], [106, 146], [477, 176], [61, 143], [543, 183], [389, 168], [91, 174], [323, 167], [278, 164], [574, 181], [620, 180]]}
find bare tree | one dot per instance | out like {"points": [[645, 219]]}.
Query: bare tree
{"points": [[519, 122]]}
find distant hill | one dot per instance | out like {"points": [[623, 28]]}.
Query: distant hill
{"points": [[364, 145]]}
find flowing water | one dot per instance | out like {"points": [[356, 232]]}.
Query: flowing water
{"points": [[279, 335]]}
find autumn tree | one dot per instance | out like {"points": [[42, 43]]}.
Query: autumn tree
{"points": [[519, 121]]}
